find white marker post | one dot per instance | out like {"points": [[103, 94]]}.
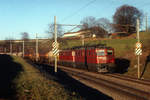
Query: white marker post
{"points": [[138, 55], [55, 37]]}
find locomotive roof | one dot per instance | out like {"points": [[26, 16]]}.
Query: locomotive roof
{"points": [[101, 46]]}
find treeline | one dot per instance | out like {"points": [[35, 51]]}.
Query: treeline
{"points": [[123, 21]]}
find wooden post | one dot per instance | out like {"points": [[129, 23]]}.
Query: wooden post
{"points": [[138, 56], [55, 37]]}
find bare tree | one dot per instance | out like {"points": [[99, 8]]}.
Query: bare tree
{"points": [[25, 47], [149, 29], [25, 36], [8, 44], [98, 31], [105, 24], [125, 18], [51, 30], [88, 22]]}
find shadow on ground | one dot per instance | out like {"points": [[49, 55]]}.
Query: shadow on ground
{"points": [[145, 66], [8, 71], [122, 65], [73, 85]]}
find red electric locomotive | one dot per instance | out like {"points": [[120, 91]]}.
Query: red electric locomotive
{"points": [[67, 57], [94, 58]]}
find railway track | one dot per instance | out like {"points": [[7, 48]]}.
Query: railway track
{"points": [[114, 85], [117, 86], [140, 83], [130, 78]]}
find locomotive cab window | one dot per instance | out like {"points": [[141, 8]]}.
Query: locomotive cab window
{"points": [[100, 52], [109, 52]]}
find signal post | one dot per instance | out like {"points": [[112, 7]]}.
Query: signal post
{"points": [[138, 50], [55, 45]]}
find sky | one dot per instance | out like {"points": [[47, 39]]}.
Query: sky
{"points": [[34, 16]]}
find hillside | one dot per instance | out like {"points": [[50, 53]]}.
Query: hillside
{"points": [[124, 51], [23, 81]]}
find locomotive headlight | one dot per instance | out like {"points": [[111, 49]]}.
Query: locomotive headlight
{"points": [[104, 58]]}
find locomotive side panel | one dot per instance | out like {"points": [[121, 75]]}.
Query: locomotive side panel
{"points": [[91, 59], [80, 58], [66, 58]]}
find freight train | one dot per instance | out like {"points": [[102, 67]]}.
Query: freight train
{"points": [[98, 58]]}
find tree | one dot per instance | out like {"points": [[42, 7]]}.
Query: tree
{"points": [[148, 28], [51, 30], [8, 43], [125, 18], [25, 36], [90, 23], [98, 31], [105, 24]]}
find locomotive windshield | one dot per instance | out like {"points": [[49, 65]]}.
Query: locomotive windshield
{"points": [[109, 52], [100, 52]]}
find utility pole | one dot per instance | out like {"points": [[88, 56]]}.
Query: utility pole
{"points": [[37, 52], [5, 50], [23, 48], [138, 56], [146, 23], [55, 37], [137, 27], [10, 46], [82, 36]]}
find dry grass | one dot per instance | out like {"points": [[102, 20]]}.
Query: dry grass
{"points": [[124, 48], [31, 85]]}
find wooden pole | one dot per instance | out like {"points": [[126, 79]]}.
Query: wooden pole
{"points": [[55, 37], [138, 57]]}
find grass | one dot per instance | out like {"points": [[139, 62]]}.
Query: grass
{"points": [[124, 48], [31, 85]]}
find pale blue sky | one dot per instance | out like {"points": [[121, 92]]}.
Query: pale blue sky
{"points": [[33, 16]]}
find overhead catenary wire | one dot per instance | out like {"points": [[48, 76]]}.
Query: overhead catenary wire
{"points": [[114, 2], [78, 10], [73, 28], [143, 4]]}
